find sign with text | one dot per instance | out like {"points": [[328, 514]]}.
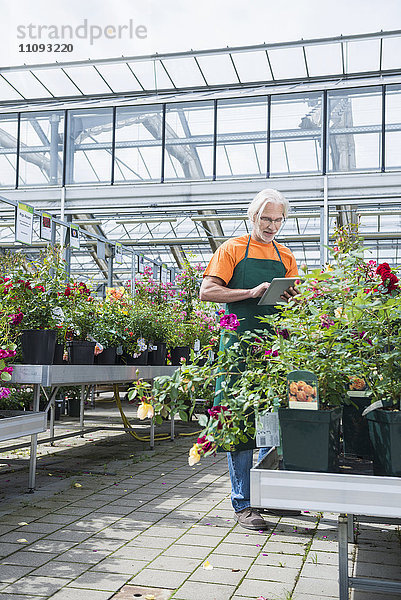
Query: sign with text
{"points": [[141, 263], [303, 390], [267, 430], [118, 255], [164, 273], [46, 224], [24, 223], [74, 237]]}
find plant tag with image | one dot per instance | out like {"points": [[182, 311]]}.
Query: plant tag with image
{"points": [[267, 430], [302, 390]]}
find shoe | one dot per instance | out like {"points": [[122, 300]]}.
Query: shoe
{"points": [[280, 512], [249, 518]]}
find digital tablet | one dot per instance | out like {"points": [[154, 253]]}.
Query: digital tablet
{"points": [[276, 289]]}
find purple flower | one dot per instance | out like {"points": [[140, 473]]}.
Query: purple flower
{"points": [[4, 392], [284, 333], [272, 353], [16, 318], [229, 322], [325, 321]]}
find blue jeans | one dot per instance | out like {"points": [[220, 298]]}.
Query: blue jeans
{"points": [[239, 467]]}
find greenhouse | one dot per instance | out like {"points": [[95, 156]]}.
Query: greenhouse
{"points": [[129, 187]]}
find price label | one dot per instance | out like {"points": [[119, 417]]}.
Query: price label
{"points": [[267, 430]]}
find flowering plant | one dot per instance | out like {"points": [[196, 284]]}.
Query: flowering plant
{"points": [[79, 311]]}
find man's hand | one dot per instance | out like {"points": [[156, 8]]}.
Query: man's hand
{"points": [[290, 293], [259, 290]]}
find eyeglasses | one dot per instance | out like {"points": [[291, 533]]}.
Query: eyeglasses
{"points": [[278, 222]]}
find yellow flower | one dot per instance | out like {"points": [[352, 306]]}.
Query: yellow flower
{"points": [[194, 456], [145, 411]]}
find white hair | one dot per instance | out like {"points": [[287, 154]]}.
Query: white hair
{"points": [[264, 197]]}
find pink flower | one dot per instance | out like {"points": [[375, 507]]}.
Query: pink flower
{"points": [[16, 318], [272, 353], [229, 322]]}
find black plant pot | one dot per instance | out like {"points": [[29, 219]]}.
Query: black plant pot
{"points": [[74, 407], [158, 357], [355, 428], [58, 355], [59, 409], [81, 352], [176, 354], [108, 356], [310, 439], [129, 360], [37, 346], [385, 435]]}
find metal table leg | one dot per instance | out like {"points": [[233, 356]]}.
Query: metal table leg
{"points": [[351, 529], [81, 409], [172, 427], [152, 433], [34, 442], [343, 556]]}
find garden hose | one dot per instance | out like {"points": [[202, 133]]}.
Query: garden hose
{"points": [[129, 427]]}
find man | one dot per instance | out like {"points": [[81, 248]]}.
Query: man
{"points": [[238, 274]]}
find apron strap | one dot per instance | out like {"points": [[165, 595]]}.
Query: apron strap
{"points": [[247, 248], [277, 250]]}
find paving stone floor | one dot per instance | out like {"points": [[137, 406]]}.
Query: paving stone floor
{"points": [[109, 512]]}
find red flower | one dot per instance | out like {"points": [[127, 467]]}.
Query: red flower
{"points": [[40, 288], [67, 291]]}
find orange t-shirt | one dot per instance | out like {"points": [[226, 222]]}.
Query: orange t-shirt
{"points": [[229, 254]]}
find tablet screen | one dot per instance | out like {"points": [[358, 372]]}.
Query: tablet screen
{"points": [[276, 289]]}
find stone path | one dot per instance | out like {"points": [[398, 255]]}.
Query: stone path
{"points": [[111, 513]]}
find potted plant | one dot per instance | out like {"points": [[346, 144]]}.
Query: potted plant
{"points": [[79, 323]]}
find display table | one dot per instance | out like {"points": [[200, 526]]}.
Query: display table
{"points": [[346, 494], [54, 376]]}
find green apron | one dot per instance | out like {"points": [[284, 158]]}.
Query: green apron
{"points": [[249, 273]]}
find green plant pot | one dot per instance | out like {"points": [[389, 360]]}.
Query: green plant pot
{"points": [[310, 439], [385, 435], [355, 429]]}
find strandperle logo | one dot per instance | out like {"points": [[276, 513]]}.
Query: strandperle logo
{"points": [[85, 31]]}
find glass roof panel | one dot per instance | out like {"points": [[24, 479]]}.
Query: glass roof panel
{"points": [[287, 63], [252, 66], [151, 74], [26, 83], [324, 59], [57, 82], [217, 69], [184, 72], [7, 92], [362, 55], [391, 53], [88, 81], [119, 77]]}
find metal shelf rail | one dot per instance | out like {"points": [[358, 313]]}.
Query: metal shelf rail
{"points": [[55, 376], [345, 494]]}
